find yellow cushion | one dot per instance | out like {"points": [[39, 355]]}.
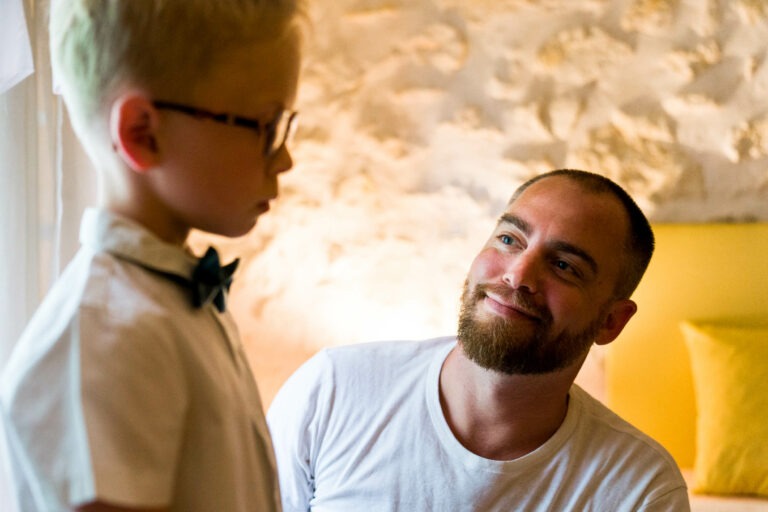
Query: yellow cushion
{"points": [[729, 361]]}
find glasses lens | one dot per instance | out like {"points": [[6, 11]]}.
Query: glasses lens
{"points": [[279, 132]]}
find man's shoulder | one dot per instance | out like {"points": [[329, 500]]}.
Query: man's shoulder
{"points": [[391, 348], [354, 384], [620, 457], [349, 368], [615, 434], [386, 356]]}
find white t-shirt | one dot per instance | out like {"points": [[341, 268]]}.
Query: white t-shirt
{"points": [[120, 391], [360, 428]]}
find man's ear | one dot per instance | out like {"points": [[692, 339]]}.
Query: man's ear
{"points": [[133, 124], [617, 317]]}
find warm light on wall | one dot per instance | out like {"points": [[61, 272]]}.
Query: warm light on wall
{"points": [[418, 120]]}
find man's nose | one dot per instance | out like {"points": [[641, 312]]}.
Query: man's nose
{"points": [[522, 272]]}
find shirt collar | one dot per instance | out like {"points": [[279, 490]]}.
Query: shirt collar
{"points": [[105, 231]]}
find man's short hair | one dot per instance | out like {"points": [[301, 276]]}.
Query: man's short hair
{"points": [[165, 46], [640, 241]]}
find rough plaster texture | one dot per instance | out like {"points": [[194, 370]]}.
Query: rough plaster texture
{"points": [[420, 117]]}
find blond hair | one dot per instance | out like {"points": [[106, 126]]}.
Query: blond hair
{"points": [[164, 46]]}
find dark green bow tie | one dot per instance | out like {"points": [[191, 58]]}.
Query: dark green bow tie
{"points": [[211, 281]]}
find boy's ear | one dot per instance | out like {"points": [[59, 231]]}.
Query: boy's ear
{"points": [[617, 317], [133, 123]]}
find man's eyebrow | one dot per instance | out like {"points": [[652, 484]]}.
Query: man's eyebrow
{"points": [[559, 245], [515, 221]]}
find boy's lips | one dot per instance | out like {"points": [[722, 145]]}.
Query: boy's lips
{"points": [[263, 206]]}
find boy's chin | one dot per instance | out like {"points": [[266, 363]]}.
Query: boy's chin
{"points": [[239, 231], [232, 230]]}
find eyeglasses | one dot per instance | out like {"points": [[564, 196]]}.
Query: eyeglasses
{"points": [[282, 125]]}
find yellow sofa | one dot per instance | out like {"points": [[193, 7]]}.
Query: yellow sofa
{"points": [[699, 272]]}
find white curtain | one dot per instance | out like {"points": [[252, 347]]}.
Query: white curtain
{"points": [[15, 64], [45, 180], [15, 50], [28, 209]]}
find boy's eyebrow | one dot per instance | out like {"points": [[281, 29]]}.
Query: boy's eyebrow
{"points": [[558, 245]]}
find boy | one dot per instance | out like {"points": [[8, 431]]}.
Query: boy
{"points": [[129, 389]]}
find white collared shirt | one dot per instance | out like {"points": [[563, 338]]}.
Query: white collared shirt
{"points": [[120, 391]]}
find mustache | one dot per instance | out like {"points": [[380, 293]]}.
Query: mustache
{"points": [[515, 298]]}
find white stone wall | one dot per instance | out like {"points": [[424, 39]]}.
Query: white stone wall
{"points": [[420, 117]]}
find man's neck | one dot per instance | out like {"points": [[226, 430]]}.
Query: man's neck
{"points": [[502, 417]]}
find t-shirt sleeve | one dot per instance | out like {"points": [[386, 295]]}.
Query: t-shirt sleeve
{"points": [[133, 396], [673, 501], [297, 420], [99, 415]]}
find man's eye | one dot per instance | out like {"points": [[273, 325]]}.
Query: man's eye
{"points": [[567, 269], [506, 239]]}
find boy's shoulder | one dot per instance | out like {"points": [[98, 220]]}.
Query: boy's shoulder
{"points": [[110, 292], [127, 271], [101, 296]]}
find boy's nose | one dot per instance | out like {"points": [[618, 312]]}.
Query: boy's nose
{"points": [[280, 162]]}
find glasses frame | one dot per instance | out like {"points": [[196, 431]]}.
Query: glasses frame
{"points": [[268, 129]]}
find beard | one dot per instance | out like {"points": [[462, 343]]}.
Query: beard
{"points": [[517, 347]]}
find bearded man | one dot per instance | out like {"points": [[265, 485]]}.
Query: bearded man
{"points": [[490, 419]]}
